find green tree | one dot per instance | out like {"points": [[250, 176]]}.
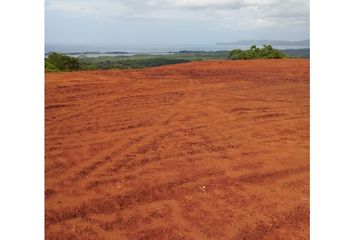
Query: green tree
{"points": [[49, 67], [267, 52], [60, 62]]}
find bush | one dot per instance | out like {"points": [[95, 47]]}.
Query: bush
{"points": [[267, 52], [60, 62], [49, 67]]}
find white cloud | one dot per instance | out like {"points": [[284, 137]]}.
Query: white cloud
{"points": [[240, 14]]}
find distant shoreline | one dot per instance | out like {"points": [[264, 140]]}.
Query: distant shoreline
{"points": [[156, 49], [87, 54], [304, 43], [117, 60]]}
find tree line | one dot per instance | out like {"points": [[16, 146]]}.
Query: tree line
{"points": [[61, 62]]}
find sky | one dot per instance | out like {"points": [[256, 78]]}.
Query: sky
{"points": [[174, 21]]}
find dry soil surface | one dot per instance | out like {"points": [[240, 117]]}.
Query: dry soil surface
{"points": [[202, 150]]}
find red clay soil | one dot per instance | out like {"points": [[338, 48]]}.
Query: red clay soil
{"points": [[202, 150]]}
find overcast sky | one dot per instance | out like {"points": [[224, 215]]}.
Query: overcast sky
{"points": [[174, 21]]}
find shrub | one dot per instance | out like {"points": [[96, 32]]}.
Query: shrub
{"points": [[267, 52], [50, 67], [60, 62]]}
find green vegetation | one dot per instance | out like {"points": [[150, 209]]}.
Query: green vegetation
{"points": [[103, 63], [147, 60], [267, 52], [50, 67], [297, 53], [60, 62]]}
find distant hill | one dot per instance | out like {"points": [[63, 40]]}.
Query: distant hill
{"points": [[305, 43]]}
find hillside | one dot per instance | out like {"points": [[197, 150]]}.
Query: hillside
{"points": [[305, 43], [200, 150]]}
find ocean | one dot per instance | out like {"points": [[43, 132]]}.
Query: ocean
{"points": [[132, 49]]}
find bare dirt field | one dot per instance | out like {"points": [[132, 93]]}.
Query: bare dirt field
{"points": [[203, 150]]}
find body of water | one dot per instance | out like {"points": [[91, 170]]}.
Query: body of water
{"points": [[133, 49]]}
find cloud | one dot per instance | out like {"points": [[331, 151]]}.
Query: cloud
{"points": [[238, 14]]}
